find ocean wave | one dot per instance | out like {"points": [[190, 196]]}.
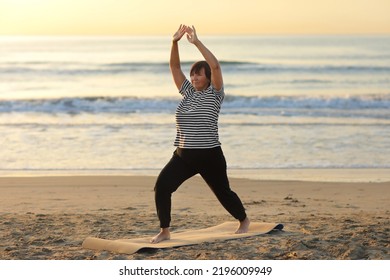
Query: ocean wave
{"points": [[87, 69], [88, 105], [304, 102], [376, 106]]}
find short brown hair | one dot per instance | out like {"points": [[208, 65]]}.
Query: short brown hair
{"points": [[197, 66]]}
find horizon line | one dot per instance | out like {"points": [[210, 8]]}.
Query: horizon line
{"points": [[204, 35]]}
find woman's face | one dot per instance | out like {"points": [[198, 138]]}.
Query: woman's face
{"points": [[199, 80]]}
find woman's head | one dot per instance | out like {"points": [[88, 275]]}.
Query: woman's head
{"points": [[200, 75]]}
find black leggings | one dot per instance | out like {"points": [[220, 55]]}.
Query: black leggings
{"points": [[185, 163]]}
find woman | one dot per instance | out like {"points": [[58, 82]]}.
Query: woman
{"points": [[198, 147]]}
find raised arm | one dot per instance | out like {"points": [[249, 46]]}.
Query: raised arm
{"points": [[174, 62], [216, 71]]}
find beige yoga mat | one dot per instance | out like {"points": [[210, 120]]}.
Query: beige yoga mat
{"points": [[220, 232]]}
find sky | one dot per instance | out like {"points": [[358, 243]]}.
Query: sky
{"points": [[161, 17]]}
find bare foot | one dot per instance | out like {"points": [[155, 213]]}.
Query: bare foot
{"points": [[244, 226], [163, 235]]}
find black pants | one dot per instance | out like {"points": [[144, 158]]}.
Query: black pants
{"points": [[185, 163]]}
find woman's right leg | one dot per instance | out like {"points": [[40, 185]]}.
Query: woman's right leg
{"points": [[171, 177]]}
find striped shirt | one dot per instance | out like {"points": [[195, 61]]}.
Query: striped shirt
{"points": [[197, 117]]}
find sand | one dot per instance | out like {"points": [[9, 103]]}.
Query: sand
{"points": [[48, 217]]}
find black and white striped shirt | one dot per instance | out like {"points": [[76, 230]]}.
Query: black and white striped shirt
{"points": [[197, 117]]}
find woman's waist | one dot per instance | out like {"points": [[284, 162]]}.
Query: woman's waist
{"points": [[192, 153]]}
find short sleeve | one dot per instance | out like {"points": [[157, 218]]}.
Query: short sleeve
{"points": [[186, 88], [220, 93]]}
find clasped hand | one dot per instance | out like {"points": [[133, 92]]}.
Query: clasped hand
{"points": [[183, 29]]}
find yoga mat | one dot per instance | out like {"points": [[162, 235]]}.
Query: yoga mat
{"points": [[224, 231]]}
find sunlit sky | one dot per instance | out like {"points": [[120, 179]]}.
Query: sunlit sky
{"points": [[153, 17]]}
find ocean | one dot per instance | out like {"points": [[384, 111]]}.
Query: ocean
{"points": [[106, 104]]}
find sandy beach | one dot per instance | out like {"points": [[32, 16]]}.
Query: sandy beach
{"points": [[48, 217]]}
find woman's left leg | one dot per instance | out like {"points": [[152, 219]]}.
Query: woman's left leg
{"points": [[213, 171]]}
